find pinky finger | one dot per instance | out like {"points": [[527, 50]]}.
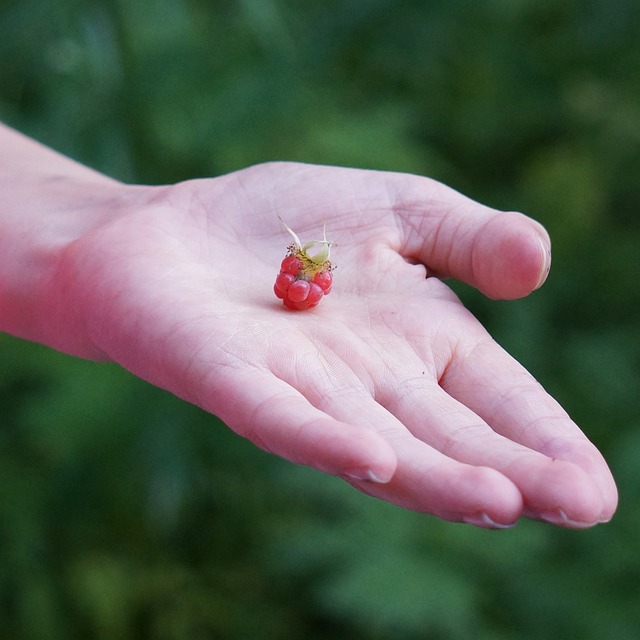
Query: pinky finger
{"points": [[277, 418]]}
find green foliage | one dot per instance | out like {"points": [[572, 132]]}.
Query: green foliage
{"points": [[125, 513]]}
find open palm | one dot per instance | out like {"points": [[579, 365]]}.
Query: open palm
{"points": [[390, 382]]}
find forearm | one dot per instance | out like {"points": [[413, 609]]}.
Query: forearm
{"points": [[46, 202]]}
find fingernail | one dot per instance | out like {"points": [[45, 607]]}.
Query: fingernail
{"points": [[366, 474], [560, 519], [483, 520], [546, 267]]}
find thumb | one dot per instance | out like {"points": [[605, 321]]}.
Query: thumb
{"points": [[505, 255]]}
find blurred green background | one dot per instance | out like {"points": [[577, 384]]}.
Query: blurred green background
{"points": [[125, 513]]}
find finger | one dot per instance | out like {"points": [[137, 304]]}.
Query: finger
{"points": [[367, 447], [426, 480], [499, 390], [277, 418], [429, 482], [548, 486], [505, 255]]}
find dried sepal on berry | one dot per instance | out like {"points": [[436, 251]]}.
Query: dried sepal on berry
{"points": [[305, 272]]}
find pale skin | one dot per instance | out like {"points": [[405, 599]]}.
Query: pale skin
{"points": [[390, 383]]}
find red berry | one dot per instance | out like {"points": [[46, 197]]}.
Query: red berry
{"points": [[291, 264], [324, 280], [298, 291], [305, 273]]}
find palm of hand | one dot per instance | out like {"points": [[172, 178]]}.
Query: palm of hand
{"points": [[389, 382]]}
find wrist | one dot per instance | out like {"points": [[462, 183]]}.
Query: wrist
{"points": [[36, 236], [47, 203]]}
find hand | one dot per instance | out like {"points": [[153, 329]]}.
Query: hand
{"points": [[390, 382]]}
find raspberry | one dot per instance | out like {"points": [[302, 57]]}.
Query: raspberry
{"points": [[304, 278]]}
